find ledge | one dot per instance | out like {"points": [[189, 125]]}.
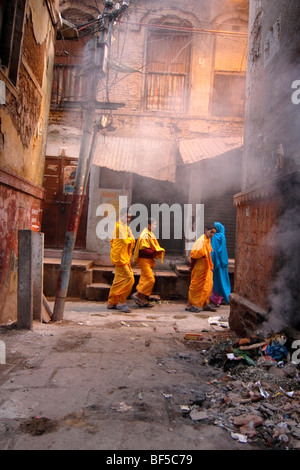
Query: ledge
{"points": [[267, 190], [18, 183]]}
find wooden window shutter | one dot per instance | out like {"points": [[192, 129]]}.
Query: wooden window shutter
{"points": [[168, 54]]}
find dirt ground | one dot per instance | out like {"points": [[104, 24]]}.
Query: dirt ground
{"points": [[104, 380]]}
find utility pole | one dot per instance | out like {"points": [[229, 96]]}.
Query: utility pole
{"points": [[110, 13]]}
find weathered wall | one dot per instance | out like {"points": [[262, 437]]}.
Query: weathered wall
{"points": [[129, 47], [20, 209], [23, 132], [210, 52], [267, 212], [271, 134]]}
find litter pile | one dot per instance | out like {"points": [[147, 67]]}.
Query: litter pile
{"points": [[256, 390]]}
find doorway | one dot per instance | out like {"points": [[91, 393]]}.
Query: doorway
{"points": [[58, 182]]}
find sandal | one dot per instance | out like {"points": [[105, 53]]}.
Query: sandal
{"points": [[123, 308], [146, 305], [111, 306], [209, 308], [137, 301], [193, 309]]}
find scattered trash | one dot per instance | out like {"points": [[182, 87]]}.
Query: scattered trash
{"points": [[266, 361], [218, 321], [255, 392], [276, 350], [193, 336], [197, 415], [121, 407], [262, 391], [239, 437], [185, 409], [248, 423], [168, 395], [240, 354]]}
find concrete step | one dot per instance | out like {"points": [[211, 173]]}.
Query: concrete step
{"points": [[182, 269], [103, 274], [80, 276], [97, 291], [93, 282]]}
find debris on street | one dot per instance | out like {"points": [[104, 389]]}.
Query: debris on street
{"points": [[256, 394]]}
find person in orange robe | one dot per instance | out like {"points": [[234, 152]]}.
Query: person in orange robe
{"points": [[122, 245], [202, 273], [146, 250]]}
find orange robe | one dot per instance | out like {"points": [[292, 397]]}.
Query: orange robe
{"points": [[147, 240], [202, 274], [122, 245]]}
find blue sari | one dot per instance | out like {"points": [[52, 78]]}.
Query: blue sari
{"points": [[219, 255]]}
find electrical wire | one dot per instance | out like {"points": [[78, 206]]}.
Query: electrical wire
{"points": [[192, 30]]}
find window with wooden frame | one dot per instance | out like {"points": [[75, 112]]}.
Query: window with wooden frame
{"points": [[229, 94], [230, 64], [167, 67], [11, 31]]}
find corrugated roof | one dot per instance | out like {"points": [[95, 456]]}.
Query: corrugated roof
{"points": [[194, 150], [146, 157]]}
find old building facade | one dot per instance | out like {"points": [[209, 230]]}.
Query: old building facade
{"points": [[27, 30], [170, 108]]}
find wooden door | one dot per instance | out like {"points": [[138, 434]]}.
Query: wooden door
{"points": [[58, 182]]}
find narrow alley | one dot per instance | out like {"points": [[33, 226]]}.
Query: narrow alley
{"points": [[157, 378], [150, 162]]}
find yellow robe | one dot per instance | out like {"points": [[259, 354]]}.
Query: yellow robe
{"points": [[122, 245], [147, 239], [202, 274]]}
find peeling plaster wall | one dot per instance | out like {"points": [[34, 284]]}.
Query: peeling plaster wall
{"points": [[23, 133], [24, 119], [271, 157], [271, 135]]}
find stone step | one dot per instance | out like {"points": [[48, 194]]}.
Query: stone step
{"points": [[93, 282], [97, 291], [103, 274], [80, 276], [182, 269]]}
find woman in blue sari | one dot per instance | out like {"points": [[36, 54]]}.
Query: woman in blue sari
{"points": [[219, 255]]}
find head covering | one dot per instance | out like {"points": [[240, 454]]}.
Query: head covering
{"points": [[218, 243], [219, 257]]}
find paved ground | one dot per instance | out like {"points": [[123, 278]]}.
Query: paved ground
{"points": [[105, 380]]}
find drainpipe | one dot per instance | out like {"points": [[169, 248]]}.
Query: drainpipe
{"points": [[87, 149]]}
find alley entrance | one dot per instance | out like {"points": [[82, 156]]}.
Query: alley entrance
{"points": [[59, 180]]}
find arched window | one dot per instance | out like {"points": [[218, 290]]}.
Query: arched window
{"points": [[167, 66]]}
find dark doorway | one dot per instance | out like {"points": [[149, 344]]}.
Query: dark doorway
{"points": [[58, 182], [149, 191]]}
